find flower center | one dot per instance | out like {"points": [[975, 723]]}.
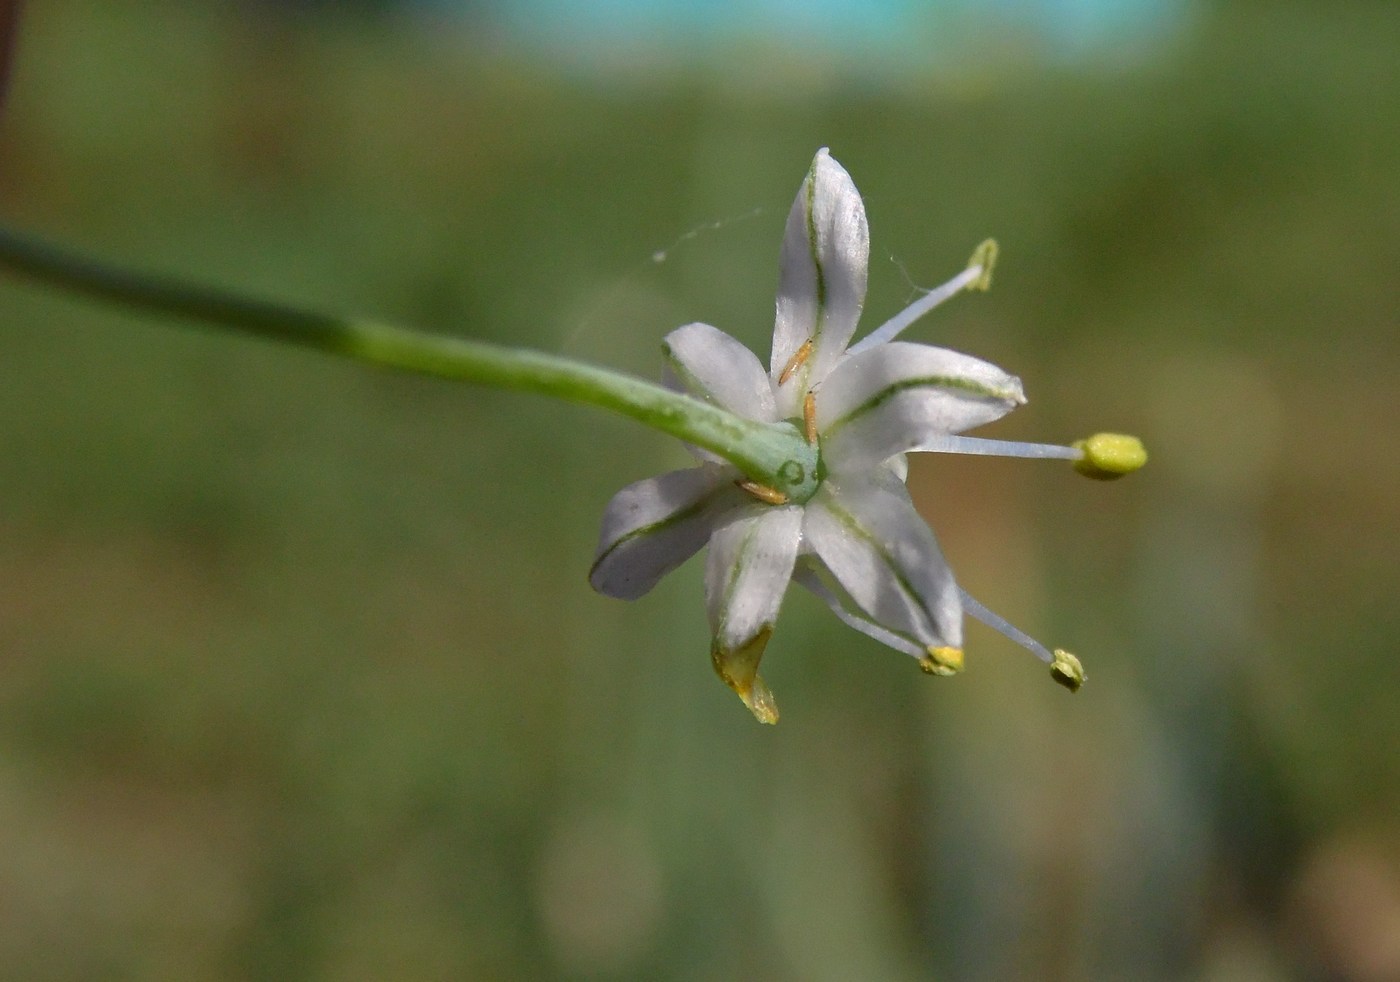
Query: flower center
{"points": [[800, 478], [797, 478]]}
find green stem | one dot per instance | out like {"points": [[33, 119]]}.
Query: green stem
{"points": [[772, 454]]}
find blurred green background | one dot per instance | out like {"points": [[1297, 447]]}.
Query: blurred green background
{"points": [[300, 673]]}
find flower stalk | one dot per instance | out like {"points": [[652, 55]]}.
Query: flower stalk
{"points": [[774, 455]]}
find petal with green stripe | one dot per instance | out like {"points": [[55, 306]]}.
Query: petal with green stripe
{"points": [[821, 284], [711, 365], [652, 526], [748, 569], [872, 541], [894, 397]]}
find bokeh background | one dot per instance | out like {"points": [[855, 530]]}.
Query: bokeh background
{"points": [[300, 674]]}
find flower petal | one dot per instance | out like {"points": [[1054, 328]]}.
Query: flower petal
{"points": [[892, 398], [746, 575], [868, 535], [898, 465], [710, 364], [748, 568], [652, 526], [821, 285]]}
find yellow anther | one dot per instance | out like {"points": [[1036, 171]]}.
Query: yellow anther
{"points": [[809, 416], [1067, 671], [985, 255], [798, 359], [1109, 455], [739, 670], [942, 661], [763, 492]]}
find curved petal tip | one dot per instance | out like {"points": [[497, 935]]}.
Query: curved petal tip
{"points": [[738, 668]]}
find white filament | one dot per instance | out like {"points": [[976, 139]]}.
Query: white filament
{"points": [[1001, 625], [895, 326], [997, 448]]}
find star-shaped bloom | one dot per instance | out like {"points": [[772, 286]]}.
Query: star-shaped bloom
{"points": [[857, 543]]}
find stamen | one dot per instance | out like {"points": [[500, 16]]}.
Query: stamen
{"points": [[1064, 667], [763, 492], [1108, 456], [855, 619], [999, 448], [977, 276], [942, 661], [1067, 671], [799, 357], [809, 416], [984, 257], [1001, 625]]}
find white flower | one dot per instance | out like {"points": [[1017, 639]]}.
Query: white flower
{"points": [[857, 542]]}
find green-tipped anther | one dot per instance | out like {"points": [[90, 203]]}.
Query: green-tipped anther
{"points": [[1108, 456], [1067, 671], [985, 256]]}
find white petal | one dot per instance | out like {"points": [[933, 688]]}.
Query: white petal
{"points": [[898, 396], [868, 535], [711, 365], [652, 526], [821, 286], [748, 569]]}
